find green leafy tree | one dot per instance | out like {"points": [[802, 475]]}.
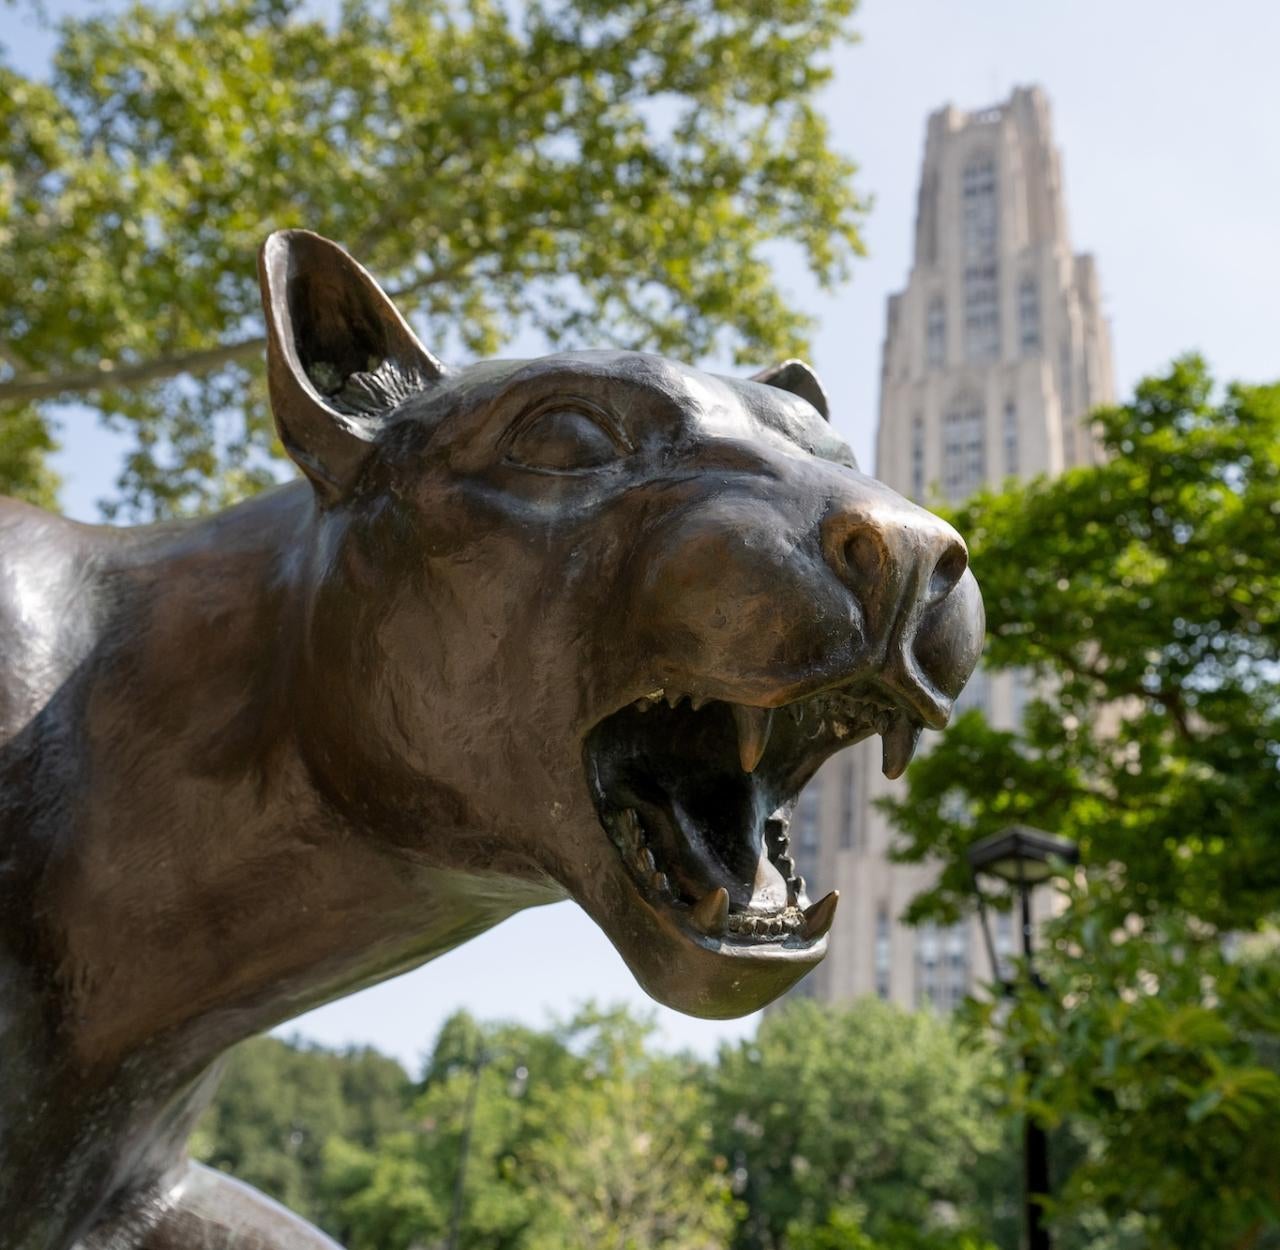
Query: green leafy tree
{"points": [[865, 1106], [621, 1157], [595, 174], [579, 1137], [1142, 596], [1152, 1043], [844, 1229], [1144, 593], [281, 1102]]}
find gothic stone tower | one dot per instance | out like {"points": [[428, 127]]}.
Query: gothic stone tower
{"points": [[994, 353]]}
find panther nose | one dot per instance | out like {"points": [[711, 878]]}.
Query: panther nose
{"points": [[901, 565], [883, 554]]}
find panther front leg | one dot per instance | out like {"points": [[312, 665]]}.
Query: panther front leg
{"points": [[206, 1210]]}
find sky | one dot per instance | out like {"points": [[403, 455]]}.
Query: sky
{"points": [[1167, 113]]}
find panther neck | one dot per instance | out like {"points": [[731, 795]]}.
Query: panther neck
{"points": [[208, 889]]}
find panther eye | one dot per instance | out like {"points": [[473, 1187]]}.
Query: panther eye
{"points": [[565, 440]]}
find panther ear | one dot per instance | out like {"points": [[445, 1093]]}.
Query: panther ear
{"points": [[798, 378], [340, 357]]}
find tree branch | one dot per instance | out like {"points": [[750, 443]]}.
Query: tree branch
{"points": [[45, 386], [30, 387]]}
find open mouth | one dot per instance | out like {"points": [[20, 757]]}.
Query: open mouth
{"points": [[697, 797]]}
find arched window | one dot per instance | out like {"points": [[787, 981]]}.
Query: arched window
{"points": [[1029, 315], [981, 222], [964, 449], [935, 333]]}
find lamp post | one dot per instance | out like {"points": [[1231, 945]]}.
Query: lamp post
{"points": [[1022, 858]]}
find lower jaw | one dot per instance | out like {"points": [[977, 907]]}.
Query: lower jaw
{"points": [[790, 928], [713, 979]]}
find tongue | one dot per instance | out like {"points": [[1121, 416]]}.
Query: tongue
{"points": [[769, 889], [744, 869]]}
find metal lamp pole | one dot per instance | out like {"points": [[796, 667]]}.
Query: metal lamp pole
{"points": [[1023, 858]]}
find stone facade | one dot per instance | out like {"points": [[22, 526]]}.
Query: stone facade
{"points": [[993, 354]]}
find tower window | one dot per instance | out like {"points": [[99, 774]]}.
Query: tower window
{"points": [[806, 841], [1011, 438], [883, 950], [1068, 407], [980, 213], [917, 458], [849, 809], [1029, 316], [935, 333], [980, 217], [964, 453], [982, 311], [942, 965]]}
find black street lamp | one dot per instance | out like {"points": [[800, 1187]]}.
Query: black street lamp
{"points": [[1023, 858]]}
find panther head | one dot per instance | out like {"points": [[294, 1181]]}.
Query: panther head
{"points": [[592, 620]]}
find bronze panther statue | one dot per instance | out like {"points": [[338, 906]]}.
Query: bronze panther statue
{"points": [[578, 626]]}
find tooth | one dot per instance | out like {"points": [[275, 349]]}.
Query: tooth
{"points": [[818, 918], [754, 724], [659, 882], [627, 827], [711, 913], [697, 702], [646, 858], [898, 746], [673, 699], [655, 696]]}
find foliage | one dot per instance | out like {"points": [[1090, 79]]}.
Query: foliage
{"points": [[843, 1230], [623, 1159], [1142, 597], [280, 1103], [1145, 594], [25, 442], [594, 174], [583, 1136], [580, 1139], [1159, 1041], [866, 1105]]}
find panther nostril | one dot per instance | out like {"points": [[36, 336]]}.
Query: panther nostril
{"points": [[948, 570], [865, 554]]}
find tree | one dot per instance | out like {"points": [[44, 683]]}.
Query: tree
{"points": [[621, 1157], [579, 1138], [1142, 597], [843, 1230], [1150, 1041], [397, 1193], [867, 1107], [1144, 594], [597, 174], [279, 1105]]}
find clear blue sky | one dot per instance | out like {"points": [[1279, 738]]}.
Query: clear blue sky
{"points": [[1168, 116]]}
